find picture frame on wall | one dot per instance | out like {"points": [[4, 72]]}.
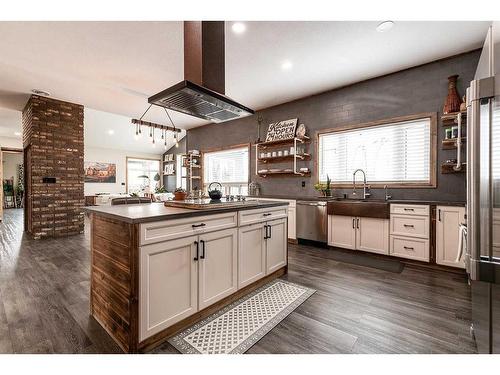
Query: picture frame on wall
{"points": [[281, 130], [98, 172]]}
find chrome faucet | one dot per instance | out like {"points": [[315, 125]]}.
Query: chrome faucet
{"points": [[366, 193], [387, 196]]}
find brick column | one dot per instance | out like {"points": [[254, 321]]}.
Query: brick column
{"points": [[53, 150]]}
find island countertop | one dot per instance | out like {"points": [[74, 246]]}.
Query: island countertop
{"points": [[144, 213]]}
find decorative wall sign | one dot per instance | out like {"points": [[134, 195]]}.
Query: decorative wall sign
{"points": [[100, 172], [281, 130]]}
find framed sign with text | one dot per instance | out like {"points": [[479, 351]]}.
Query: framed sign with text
{"points": [[280, 130]]}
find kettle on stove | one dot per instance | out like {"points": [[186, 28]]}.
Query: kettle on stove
{"points": [[216, 192]]}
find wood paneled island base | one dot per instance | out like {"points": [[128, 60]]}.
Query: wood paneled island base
{"points": [[118, 247]]}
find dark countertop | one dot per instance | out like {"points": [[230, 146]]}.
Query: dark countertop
{"points": [[144, 213], [396, 201]]}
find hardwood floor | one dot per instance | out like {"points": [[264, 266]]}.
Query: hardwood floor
{"points": [[44, 303]]}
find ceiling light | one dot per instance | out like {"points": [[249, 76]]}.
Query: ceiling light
{"points": [[239, 27], [111, 132], [40, 92], [385, 26], [17, 134], [286, 65]]}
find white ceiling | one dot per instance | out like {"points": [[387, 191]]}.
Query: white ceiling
{"points": [[114, 66]]}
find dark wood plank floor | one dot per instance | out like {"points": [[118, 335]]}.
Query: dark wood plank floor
{"points": [[44, 303]]}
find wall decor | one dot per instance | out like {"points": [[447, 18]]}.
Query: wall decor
{"points": [[281, 130], [301, 131], [168, 170], [100, 172], [453, 101]]}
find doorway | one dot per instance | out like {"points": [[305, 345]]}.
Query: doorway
{"points": [[12, 193]]}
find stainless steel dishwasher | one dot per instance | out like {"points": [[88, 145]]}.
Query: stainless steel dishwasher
{"points": [[312, 221]]}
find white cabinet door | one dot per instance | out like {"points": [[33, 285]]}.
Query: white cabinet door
{"points": [[292, 223], [168, 284], [217, 266], [372, 235], [276, 245], [447, 235], [342, 231], [251, 254]]}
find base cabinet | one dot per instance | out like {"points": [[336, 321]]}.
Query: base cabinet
{"points": [[372, 235], [217, 274], [180, 277], [168, 284], [251, 254], [276, 245], [359, 233], [448, 220]]}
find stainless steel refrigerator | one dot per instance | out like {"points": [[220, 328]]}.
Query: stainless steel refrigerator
{"points": [[482, 259]]}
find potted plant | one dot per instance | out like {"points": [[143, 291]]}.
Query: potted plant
{"points": [[180, 194], [324, 189]]}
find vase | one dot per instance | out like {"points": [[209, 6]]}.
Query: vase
{"points": [[453, 101]]}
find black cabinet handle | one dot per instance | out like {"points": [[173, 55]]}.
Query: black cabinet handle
{"points": [[439, 214], [357, 223], [409, 209], [203, 249], [409, 225], [197, 250], [270, 231], [198, 225], [408, 248], [353, 225], [265, 232], [267, 214]]}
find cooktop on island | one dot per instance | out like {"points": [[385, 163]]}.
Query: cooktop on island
{"points": [[203, 204]]}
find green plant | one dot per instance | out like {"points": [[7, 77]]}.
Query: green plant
{"points": [[180, 190], [160, 189]]}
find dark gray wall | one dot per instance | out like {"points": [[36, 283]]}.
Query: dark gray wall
{"points": [[170, 182], [412, 91]]}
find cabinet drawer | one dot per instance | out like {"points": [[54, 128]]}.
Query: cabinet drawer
{"points": [[411, 248], [172, 229], [261, 214], [411, 226], [291, 202], [410, 209]]}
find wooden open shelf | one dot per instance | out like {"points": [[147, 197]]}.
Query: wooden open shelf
{"points": [[281, 142], [450, 144], [451, 118], [284, 173], [277, 159], [448, 168]]}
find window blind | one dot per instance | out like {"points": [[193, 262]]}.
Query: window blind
{"points": [[229, 166], [393, 153]]}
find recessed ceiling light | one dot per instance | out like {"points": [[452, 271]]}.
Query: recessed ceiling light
{"points": [[40, 92], [286, 65], [111, 132], [17, 134], [385, 26], [239, 27]]}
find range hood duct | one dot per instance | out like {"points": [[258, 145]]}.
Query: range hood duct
{"points": [[201, 93]]}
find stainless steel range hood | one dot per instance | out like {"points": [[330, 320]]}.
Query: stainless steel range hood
{"points": [[201, 93]]}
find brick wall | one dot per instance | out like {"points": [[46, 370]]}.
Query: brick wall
{"points": [[416, 90], [53, 147]]}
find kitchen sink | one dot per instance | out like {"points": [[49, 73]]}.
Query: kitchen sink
{"points": [[359, 207]]}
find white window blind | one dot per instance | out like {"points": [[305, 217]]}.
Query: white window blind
{"points": [[393, 153], [229, 167]]}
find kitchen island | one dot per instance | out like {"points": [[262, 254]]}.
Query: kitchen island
{"points": [[156, 270]]}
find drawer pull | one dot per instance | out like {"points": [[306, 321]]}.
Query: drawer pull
{"points": [[409, 225], [409, 209], [267, 214], [198, 225], [408, 248]]}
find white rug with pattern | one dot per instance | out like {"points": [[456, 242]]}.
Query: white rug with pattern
{"points": [[238, 326]]}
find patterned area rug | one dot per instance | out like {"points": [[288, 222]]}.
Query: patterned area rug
{"points": [[238, 326]]}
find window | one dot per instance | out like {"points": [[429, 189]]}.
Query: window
{"points": [[229, 167], [141, 175], [392, 153]]}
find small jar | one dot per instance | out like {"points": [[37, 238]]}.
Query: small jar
{"points": [[448, 133], [274, 154], [280, 153], [454, 132], [262, 155], [292, 150]]}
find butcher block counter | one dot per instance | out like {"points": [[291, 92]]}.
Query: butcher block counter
{"points": [[156, 270]]}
